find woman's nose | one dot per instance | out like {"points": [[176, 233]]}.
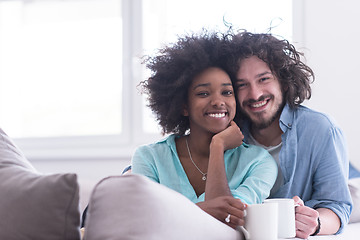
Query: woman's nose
{"points": [[217, 101]]}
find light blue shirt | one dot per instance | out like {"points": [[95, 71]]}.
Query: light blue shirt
{"points": [[313, 161], [250, 170]]}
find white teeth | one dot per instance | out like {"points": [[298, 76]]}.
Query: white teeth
{"points": [[259, 104], [217, 115]]}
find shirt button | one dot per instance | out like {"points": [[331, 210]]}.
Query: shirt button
{"points": [[289, 124]]}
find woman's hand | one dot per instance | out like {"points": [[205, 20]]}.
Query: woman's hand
{"points": [[221, 207], [217, 183], [231, 137]]}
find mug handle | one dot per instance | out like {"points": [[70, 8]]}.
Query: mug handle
{"points": [[245, 232], [243, 229]]}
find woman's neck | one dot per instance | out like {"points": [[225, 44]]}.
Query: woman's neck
{"points": [[199, 143]]}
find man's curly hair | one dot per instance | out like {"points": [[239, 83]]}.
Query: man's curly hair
{"points": [[173, 70], [282, 58]]}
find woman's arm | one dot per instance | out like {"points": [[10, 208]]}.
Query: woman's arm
{"points": [[217, 183], [219, 201]]}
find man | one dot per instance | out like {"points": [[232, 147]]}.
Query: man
{"points": [[310, 149]]}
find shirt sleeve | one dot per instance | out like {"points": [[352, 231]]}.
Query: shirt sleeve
{"points": [[255, 180], [143, 163], [330, 188]]}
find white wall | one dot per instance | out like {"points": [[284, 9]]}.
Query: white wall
{"points": [[331, 35], [328, 34]]}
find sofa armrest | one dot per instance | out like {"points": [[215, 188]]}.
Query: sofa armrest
{"points": [[134, 207]]}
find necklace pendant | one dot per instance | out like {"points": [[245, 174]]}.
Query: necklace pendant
{"points": [[204, 174]]}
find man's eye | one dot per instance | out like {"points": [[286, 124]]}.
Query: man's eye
{"points": [[240, 85], [264, 79]]}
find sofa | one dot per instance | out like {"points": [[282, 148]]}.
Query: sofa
{"points": [[35, 206]]}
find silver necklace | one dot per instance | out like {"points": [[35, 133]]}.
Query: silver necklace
{"points": [[204, 174]]}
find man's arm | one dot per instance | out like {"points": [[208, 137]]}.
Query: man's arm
{"points": [[330, 194], [330, 222], [307, 220]]}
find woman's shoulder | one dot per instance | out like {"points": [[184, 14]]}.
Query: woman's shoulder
{"points": [[255, 154], [161, 145], [249, 152], [253, 149]]}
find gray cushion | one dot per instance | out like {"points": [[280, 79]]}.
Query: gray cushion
{"points": [[353, 172], [354, 186], [32, 205], [134, 207]]}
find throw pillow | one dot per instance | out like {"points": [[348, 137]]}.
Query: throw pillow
{"points": [[32, 205]]}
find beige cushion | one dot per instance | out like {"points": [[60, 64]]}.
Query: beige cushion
{"points": [[134, 207], [35, 206], [354, 186]]}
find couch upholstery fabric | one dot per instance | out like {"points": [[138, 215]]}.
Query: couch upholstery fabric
{"points": [[35, 206], [134, 207]]}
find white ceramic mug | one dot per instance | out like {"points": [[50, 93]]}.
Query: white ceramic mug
{"points": [[261, 222], [286, 216]]}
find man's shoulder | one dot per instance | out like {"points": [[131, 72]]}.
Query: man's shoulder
{"points": [[309, 116]]}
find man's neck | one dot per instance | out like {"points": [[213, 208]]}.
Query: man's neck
{"points": [[270, 136]]}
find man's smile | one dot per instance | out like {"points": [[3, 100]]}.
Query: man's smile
{"points": [[258, 105]]}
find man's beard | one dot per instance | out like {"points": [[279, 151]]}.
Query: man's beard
{"points": [[264, 123]]}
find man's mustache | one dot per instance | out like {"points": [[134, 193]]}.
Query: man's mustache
{"points": [[261, 98]]}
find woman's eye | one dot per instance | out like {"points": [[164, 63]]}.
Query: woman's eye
{"points": [[228, 92], [202, 94]]}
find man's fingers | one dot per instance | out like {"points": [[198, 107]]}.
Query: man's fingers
{"points": [[306, 221], [301, 234], [305, 212], [298, 201]]}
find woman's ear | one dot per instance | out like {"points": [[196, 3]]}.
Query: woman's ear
{"points": [[185, 111]]}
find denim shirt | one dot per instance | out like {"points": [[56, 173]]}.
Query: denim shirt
{"points": [[313, 160]]}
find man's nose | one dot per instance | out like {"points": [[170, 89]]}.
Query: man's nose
{"points": [[254, 93]]}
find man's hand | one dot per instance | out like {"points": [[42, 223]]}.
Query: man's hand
{"points": [[305, 219]]}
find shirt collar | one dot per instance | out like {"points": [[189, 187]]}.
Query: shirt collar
{"points": [[170, 141], [286, 118]]}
